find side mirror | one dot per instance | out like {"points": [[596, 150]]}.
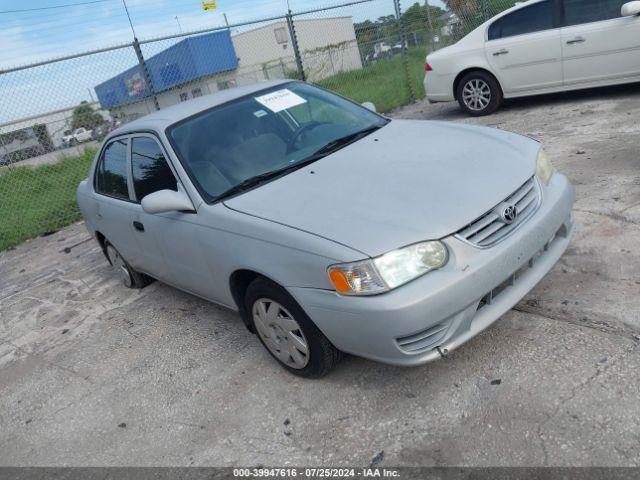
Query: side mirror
{"points": [[164, 201], [631, 9], [372, 107]]}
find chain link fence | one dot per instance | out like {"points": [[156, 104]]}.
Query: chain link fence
{"points": [[54, 113]]}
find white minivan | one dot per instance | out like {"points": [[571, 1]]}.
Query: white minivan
{"points": [[539, 46]]}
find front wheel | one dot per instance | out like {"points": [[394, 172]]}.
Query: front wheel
{"points": [[479, 94], [287, 332]]}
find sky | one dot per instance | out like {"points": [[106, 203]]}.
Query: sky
{"points": [[36, 30]]}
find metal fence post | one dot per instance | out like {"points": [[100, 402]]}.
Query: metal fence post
{"points": [[145, 73], [405, 53], [429, 26], [485, 10], [296, 49]]}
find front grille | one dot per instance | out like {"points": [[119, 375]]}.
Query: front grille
{"points": [[489, 298], [490, 228], [424, 340]]}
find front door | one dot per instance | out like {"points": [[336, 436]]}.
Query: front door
{"points": [[598, 44], [524, 48], [167, 242]]}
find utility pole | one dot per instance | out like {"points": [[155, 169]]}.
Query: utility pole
{"points": [[179, 26], [129, 17]]}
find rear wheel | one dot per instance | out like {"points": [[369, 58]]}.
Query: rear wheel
{"points": [[287, 332], [130, 277], [479, 94]]}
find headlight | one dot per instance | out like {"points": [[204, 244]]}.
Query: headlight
{"points": [[388, 271], [544, 168]]}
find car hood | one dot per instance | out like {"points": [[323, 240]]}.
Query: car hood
{"points": [[407, 182]]}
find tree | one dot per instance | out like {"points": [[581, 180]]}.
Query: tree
{"points": [[85, 116], [473, 13]]}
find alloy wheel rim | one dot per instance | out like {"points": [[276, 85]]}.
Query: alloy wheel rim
{"points": [[281, 333], [118, 263], [476, 94]]}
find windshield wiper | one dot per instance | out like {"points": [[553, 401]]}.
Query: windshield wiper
{"points": [[317, 155], [341, 142], [251, 182]]}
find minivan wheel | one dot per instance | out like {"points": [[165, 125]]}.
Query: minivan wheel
{"points": [[287, 332], [130, 277], [479, 94]]}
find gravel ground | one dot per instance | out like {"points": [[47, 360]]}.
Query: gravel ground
{"points": [[94, 374]]}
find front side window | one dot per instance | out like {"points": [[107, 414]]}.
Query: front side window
{"points": [[150, 169], [535, 18], [266, 132], [111, 173], [577, 12]]}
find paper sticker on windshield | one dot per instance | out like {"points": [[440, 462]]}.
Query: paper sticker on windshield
{"points": [[260, 113], [280, 100]]}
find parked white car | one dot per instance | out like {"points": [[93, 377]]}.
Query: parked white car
{"points": [[540, 46], [381, 50], [79, 135]]}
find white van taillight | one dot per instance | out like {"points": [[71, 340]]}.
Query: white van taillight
{"points": [[427, 67]]}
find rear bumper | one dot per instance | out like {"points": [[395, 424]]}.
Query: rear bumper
{"points": [[438, 88], [431, 316]]}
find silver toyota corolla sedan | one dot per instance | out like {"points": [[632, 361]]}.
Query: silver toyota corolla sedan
{"points": [[328, 227]]}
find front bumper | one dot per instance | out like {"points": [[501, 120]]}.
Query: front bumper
{"points": [[431, 316]]}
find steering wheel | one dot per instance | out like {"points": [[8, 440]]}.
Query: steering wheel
{"points": [[298, 133]]}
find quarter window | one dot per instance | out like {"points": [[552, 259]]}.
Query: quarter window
{"points": [[150, 169], [111, 174], [534, 18], [577, 12]]}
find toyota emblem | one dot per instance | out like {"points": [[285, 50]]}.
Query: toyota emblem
{"points": [[509, 214]]}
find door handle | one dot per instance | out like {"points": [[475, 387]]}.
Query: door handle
{"points": [[138, 226], [500, 52], [576, 40]]}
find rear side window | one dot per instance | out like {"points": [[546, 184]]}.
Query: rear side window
{"points": [[535, 18], [150, 169], [577, 12], [111, 174]]}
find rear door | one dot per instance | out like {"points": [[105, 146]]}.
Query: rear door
{"points": [[599, 45], [114, 206], [524, 48]]}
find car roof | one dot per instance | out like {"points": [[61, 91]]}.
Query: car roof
{"points": [[158, 121]]}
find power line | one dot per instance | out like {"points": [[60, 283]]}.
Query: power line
{"points": [[54, 6]]}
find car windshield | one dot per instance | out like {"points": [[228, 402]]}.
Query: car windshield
{"points": [[277, 130]]}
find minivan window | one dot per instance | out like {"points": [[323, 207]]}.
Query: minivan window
{"points": [[111, 174], [534, 18], [150, 169], [577, 12]]}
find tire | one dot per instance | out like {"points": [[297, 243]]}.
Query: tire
{"points": [[479, 94], [130, 277], [286, 331]]}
